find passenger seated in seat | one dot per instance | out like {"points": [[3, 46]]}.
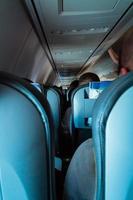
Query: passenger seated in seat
{"points": [[80, 178], [88, 77]]}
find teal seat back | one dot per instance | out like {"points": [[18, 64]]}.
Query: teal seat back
{"points": [[112, 135], [26, 171]]}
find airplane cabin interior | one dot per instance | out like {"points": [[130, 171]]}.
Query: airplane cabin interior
{"points": [[66, 93]]}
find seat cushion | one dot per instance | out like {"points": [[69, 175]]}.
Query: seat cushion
{"points": [[80, 177]]}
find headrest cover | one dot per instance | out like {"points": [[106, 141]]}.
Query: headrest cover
{"points": [[95, 88]]}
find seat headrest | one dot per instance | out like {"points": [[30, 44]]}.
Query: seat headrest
{"points": [[112, 134], [95, 88], [84, 98]]}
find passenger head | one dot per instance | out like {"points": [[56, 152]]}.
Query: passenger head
{"points": [[126, 51], [88, 77], [125, 57], [74, 84]]}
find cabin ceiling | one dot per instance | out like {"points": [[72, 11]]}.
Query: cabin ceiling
{"points": [[74, 29]]}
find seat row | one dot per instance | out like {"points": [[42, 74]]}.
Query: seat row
{"points": [[29, 137]]}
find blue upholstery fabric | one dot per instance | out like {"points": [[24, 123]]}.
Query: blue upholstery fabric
{"points": [[26, 153], [54, 100], [112, 135], [81, 107], [83, 101], [55, 105]]}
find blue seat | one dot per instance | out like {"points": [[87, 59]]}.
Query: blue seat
{"points": [[26, 153], [58, 89], [83, 100], [81, 107], [55, 106], [54, 100], [80, 120], [112, 135], [80, 181]]}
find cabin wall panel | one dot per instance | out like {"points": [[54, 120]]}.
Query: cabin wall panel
{"points": [[20, 50]]}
